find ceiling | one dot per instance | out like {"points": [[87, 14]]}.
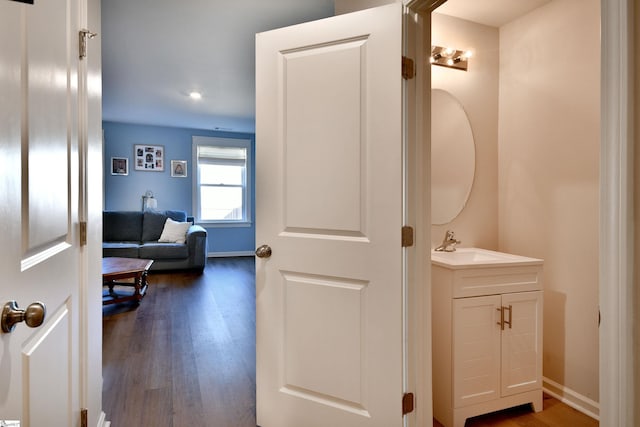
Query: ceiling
{"points": [[494, 13], [155, 52]]}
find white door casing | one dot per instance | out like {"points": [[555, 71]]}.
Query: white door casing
{"points": [[329, 203], [41, 381]]}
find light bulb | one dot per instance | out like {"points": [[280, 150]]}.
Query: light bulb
{"points": [[468, 54], [195, 95]]}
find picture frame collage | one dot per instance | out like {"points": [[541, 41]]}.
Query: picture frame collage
{"points": [[148, 158]]}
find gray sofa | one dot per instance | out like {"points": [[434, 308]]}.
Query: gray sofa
{"points": [[135, 234]]}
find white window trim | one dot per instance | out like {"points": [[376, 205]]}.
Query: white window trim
{"points": [[222, 142]]}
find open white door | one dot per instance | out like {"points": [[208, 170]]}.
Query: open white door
{"points": [[329, 205], [43, 369]]}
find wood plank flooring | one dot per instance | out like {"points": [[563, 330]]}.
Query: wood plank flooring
{"points": [[186, 356], [554, 413]]}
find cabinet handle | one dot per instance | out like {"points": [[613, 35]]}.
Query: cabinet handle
{"points": [[510, 322], [501, 322]]}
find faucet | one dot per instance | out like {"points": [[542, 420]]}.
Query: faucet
{"points": [[448, 243]]}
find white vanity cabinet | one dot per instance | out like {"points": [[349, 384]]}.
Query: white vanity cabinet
{"points": [[487, 334]]}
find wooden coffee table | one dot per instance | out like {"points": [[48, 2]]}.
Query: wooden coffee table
{"points": [[129, 272]]}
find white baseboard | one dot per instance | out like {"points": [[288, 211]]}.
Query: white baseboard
{"points": [[570, 397], [102, 421], [229, 254]]}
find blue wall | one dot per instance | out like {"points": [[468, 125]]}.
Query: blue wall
{"points": [[125, 192]]}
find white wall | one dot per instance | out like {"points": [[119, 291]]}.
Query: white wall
{"points": [[549, 133], [347, 6], [477, 91]]}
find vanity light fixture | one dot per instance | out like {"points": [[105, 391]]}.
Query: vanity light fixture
{"points": [[450, 57]]}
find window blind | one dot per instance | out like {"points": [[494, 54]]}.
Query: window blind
{"points": [[222, 156]]}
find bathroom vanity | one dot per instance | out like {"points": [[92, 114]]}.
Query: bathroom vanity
{"points": [[487, 333]]}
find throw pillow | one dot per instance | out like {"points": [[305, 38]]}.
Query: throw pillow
{"points": [[174, 232], [154, 221]]}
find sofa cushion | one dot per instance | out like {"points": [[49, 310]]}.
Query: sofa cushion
{"points": [[153, 223], [178, 216], [121, 226], [152, 250], [120, 249]]}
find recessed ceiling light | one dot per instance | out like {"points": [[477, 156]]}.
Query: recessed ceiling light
{"points": [[195, 95]]}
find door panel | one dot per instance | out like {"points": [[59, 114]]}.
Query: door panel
{"points": [[324, 316], [522, 343], [46, 349], [476, 350], [324, 147], [329, 203], [48, 122]]}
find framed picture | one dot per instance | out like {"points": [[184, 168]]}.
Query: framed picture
{"points": [[119, 166], [149, 157], [179, 168]]}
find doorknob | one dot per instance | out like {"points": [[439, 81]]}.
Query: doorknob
{"points": [[33, 316], [263, 251]]}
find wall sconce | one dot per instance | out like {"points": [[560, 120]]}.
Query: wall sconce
{"points": [[449, 57]]}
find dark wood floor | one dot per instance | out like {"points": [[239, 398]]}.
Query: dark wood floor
{"points": [[186, 356]]}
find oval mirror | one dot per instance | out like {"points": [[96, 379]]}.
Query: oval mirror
{"points": [[453, 157]]}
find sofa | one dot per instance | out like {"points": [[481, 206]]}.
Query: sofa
{"points": [[168, 237]]}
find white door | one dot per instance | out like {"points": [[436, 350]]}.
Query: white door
{"points": [[329, 205], [40, 258]]}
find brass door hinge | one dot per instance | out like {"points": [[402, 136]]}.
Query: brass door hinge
{"points": [[407, 236], [408, 68], [407, 404], [83, 233], [82, 42], [84, 418]]}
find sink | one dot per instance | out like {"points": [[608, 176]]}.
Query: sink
{"points": [[476, 257]]}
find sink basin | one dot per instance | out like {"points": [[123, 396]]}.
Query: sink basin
{"points": [[476, 257]]}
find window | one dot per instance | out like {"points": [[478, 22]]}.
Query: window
{"points": [[222, 188]]}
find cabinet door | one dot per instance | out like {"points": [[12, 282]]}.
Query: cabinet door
{"points": [[476, 350], [522, 343]]}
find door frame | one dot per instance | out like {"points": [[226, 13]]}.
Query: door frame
{"points": [[90, 212], [417, 191], [617, 346]]}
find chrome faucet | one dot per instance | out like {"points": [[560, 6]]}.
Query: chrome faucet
{"points": [[448, 243]]}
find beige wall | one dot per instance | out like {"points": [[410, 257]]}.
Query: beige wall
{"points": [[477, 91], [549, 131], [532, 97]]}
